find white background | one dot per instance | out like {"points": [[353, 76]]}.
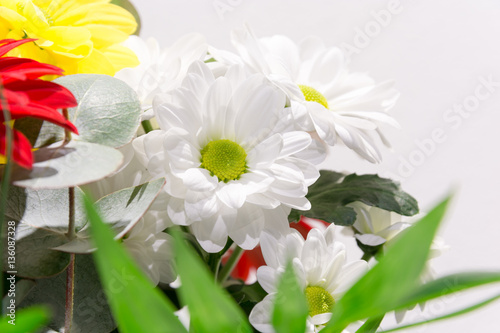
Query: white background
{"points": [[438, 52]]}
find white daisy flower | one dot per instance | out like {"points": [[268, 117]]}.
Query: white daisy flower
{"points": [[326, 98], [160, 69], [375, 226], [228, 151], [320, 266]]}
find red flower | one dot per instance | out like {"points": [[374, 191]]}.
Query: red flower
{"points": [[250, 260], [25, 95]]}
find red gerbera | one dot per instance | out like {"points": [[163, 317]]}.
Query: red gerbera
{"points": [[25, 95]]}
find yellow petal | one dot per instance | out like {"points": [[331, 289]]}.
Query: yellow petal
{"points": [[104, 36], [58, 7], [11, 19], [36, 19], [74, 41], [96, 63], [105, 14], [121, 57]]}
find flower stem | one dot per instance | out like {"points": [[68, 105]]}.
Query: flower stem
{"points": [[230, 264], [71, 218], [366, 256], [67, 133], [70, 288], [146, 125], [5, 179]]}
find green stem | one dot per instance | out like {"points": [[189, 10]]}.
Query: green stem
{"points": [[5, 179], [366, 256], [71, 218], [70, 288], [67, 133], [230, 264], [146, 125]]}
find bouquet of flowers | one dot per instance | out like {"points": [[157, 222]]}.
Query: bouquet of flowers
{"points": [[174, 189]]}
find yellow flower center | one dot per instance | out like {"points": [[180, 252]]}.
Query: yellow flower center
{"points": [[312, 95], [319, 300], [225, 159]]}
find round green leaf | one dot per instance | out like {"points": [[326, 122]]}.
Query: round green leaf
{"points": [[67, 165], [108, 111]]}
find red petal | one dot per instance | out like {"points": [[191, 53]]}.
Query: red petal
{"points": [[40, 111], [44, 92], [21, 153], [8, 44], [12, 68]]}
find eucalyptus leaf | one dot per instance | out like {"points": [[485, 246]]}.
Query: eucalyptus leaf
{"points": [[290, 305], [22, 288], [67, 165], [121, 210], [91, 311], [108, 111], [211, 308], [329, 196], [26, 320], [41, 223], [137, 306], [392, 279]]}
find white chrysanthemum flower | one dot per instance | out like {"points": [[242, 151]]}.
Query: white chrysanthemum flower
{"points": [[152, 250], [320, 266], [146, 242], [160, 70], [375, 226], [326, 98], [229, 153]]}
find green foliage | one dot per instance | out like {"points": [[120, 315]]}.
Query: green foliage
{"points": [[67, 165], [211, 308], [328, 197], [290, 306], [137, 305], [108, 111], [393, 279], [27, 320], [42, 223], [91, 311]]}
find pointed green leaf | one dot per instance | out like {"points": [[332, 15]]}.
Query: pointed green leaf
{"points": [[211, 308], [447, 316], [290, 305], [371, 325], [138, 306], [393, 279], [26, 320]]}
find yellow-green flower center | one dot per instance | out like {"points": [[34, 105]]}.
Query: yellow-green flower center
{"points": [[319, 300], [225, 159], [312, 95]]}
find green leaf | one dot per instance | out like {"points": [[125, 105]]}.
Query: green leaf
{"points": [[211, 308], [19, 292], [371, 325], [328, 197], [41, 223], [447, 316], [91, 311], [290, 306], [108, 111], [68, 165], [126, 4], [447, 285], [26, 320], [138, 306], [121, 210], [393, 279]]}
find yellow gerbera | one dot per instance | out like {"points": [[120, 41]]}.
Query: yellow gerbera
{"points": [[79, 36]]}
